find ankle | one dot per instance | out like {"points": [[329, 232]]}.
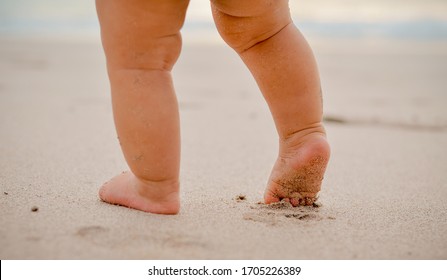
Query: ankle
{"points": [[160, 190], [297, 138]]}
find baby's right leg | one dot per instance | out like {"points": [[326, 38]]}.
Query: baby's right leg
{"points": [[278, 56], [141, 40]]}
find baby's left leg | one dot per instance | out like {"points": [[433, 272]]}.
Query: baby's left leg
{"points": [[281, 61]]}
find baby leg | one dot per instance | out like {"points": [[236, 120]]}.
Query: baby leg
{"points": [[282, 63], [142, 41]]}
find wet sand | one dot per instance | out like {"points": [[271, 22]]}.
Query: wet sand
{"points": [[384, 194]]}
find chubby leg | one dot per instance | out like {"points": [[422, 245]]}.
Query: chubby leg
{"points": [[142, 41], [281, 61]]}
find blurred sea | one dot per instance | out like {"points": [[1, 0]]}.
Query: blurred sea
{"points": [[401, 19]]}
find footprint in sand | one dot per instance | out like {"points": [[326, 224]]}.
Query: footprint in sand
{"points": [[91, 230], [282, 213], [93, 234], [102, 236]]}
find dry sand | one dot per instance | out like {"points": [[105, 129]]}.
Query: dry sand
{"points": [[384, 194]]}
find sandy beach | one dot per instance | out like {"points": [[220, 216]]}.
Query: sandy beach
{"points": [[384, 195]]}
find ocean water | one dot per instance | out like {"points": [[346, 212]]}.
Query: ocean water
{"points": [[408, 19]]}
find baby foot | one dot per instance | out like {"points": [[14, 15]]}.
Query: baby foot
{"points": [[154, 197], [298, 172]]}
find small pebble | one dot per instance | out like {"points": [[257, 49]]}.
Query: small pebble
{"points": [[317, 204], [6, 193], [241, 197], [35, 209]]}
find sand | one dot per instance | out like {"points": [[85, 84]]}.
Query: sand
{"points": [[384, 194]]}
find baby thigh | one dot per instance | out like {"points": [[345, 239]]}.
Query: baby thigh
{"points": [[141, 34]]}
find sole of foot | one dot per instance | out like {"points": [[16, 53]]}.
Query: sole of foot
{"points": [[299, 170]]}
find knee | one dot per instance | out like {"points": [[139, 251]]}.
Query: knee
{"points": [[243, 24], [159, 54], [149, 53]]}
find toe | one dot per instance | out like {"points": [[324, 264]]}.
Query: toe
{"points": [[295, 201], [102, 192], [270, 197]]}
